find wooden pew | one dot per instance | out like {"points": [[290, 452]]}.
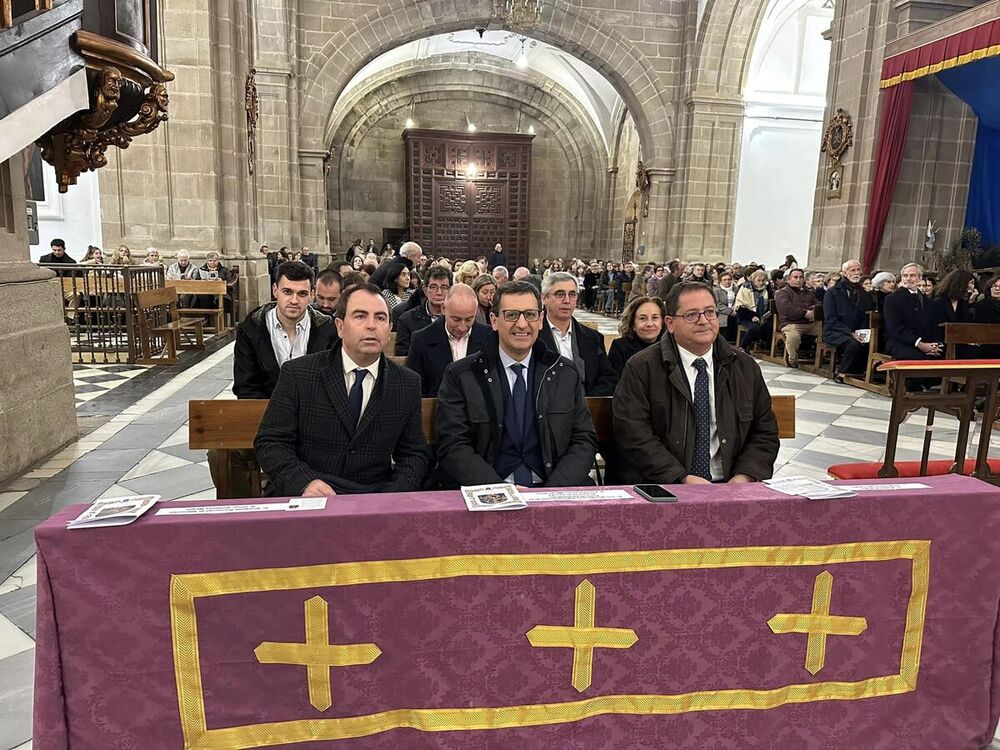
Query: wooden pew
{"points": [[230, 425], [208, 288], [824, 351], [956, 334], [875, 358]]}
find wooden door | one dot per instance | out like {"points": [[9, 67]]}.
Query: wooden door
{"points": [[470, 216]]}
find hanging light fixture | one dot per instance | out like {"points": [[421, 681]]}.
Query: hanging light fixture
{"points": [[518, 15], [522, 59], [472, 170]]}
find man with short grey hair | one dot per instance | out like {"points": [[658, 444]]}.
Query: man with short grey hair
{"points": [[501, 274], [796, 306], [910, 329], [579, 344], [521, 273], [845, 312], [183, 268]]}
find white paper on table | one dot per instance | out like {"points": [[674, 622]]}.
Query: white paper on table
{"points": [[884, 487], [807, 487], [574, 495], [493, 497], [306, 503], [201, 510], [113, 511]]}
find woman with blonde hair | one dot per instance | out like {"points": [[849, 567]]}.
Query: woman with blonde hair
{"points": [[122, 256], [467, 273], [753, 310], [485, 286]]}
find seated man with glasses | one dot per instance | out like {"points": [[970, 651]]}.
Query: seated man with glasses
{"points": [[581, 345], [515, 411], [692, 409], [421, 314]]}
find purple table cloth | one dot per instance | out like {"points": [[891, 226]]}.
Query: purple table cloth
{"points": [[736, 617]]}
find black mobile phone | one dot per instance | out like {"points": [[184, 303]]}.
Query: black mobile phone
{"points": [[655, 493]]}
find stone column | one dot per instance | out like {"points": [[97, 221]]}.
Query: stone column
{"points": [[653, 227], [312, 203], [37, 410]]}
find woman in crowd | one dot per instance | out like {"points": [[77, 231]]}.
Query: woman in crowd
{"points": [[485, 286], [371, 259], [122, 256], [654, 281], [926, 285], [866, 284], [357, 262], [987, 310], [94, 256], [790, 262], [725, 300], [641, 325], [608, 283], [883, 284], [397, 285], [152, 257], [953, 298], [752, 310], [467, 273]]}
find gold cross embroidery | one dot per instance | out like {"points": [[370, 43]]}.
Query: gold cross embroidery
{"points": [[819, 623], [317, 654], [583, 637]]}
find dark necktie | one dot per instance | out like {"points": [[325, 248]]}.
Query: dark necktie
{"points": [[522, 474], [356, 396], [701, 465]]}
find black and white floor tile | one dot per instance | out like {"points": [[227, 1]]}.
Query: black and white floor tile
{"points": [[92, 381]]}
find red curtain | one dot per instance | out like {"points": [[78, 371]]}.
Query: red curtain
{"points": [[896, 104]]}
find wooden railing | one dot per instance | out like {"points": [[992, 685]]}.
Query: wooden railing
{"points": [[11, 10]]}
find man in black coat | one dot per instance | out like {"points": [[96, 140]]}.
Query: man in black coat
{"points": [[58, 254], [579, 344], [270, 335], [310, 259], [845, 312], [910, 330], [453, 336], [498, 258], [424, 312], [515, 412], [346, 421]]}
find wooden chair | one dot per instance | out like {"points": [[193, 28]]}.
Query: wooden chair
{"points": [[777, 335], [401, 361], [824, 352], [602, 416], [784, 413], [608, 338], [390, 347], [956, 334], [216, 288], [159, 321], [428, 413], [875, 358]]}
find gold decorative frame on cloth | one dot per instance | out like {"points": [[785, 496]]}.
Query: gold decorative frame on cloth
{"points": [[185, 589]]}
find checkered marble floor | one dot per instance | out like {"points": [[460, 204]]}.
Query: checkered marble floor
{"points": [[143, 449], [91, 381]]}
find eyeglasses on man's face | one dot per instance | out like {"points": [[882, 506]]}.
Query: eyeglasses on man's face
{"points": [[512, 316], [562, 295], [692, 316]]}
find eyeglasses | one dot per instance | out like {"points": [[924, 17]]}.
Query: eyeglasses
{"points": [[512, 316], [564, 295], [692, 317], [436, 288]]}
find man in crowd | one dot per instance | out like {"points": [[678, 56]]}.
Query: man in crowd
{"points": [[409, 256], [499, 257], [453, 336], [310, 259], [692, 409], [910, 329], [675, 270], [845, 312], [437, 281], [501, 274], [563, 335], [796, 305], [183, 268], [57, 254], [328, 287], [521, 273], [341, 267], [345, 421], [515, 412], [817, 282]]}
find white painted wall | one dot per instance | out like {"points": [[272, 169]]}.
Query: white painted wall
{"points": [[782, 133], [75, 216]]}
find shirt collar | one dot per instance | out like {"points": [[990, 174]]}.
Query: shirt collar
{"points": [[453, 338], [350, 365], [506, 360], [555, 329], [688, 358], [300, 327]]}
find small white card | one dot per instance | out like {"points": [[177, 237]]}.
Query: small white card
{"points": [[864, 335], [493, 497], [306, 503], [295, 503], [807, 487], [113, 511], [884, 487], [574, 495]]}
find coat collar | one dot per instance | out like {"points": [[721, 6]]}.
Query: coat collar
{"points": [[333, 381]]}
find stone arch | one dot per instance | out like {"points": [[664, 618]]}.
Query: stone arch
{"points": [[725, 44], [575, 30], [570, 128]]}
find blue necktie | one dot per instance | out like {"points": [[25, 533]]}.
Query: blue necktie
{"points": [[702, 463], [356, 396], [522, 474]]}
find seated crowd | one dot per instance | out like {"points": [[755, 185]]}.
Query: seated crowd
{"points": [[511, 370]]}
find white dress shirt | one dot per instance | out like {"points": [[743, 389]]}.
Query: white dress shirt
{"points": [[284, 349], [687, 361], [459, 347], [563, 342], [506, 361], [369, 385]]}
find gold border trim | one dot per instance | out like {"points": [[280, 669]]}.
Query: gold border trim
{"points": [[951, 62], [185, 589]]}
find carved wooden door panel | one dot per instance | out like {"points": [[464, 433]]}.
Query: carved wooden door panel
{"points": [[470, 216], [628, 242], [488, 217], [451, 218]]}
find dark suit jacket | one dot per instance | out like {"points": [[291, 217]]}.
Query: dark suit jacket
{"points": [[255, 368], [430, 353], [622, 351], [599, 379], [907, 317], [307, 432], [845, 310], [470, 418], [409, 323]]}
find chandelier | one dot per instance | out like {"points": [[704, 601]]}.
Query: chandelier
{"points": [[518, 15]]}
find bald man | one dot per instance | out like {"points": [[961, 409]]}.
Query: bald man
{"points": [[521, 273], [453, 336]]}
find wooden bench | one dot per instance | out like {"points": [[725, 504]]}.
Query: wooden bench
{"points": [[159, 322], [231, 425], [956, 334], [824, 351], [216, 288]]}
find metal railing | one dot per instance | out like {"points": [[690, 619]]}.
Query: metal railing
{"points": [[99, 309]]}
